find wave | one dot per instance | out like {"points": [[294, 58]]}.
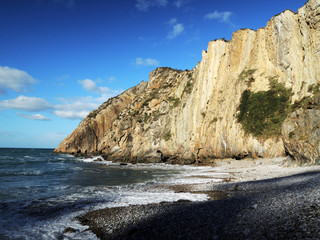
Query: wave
{"points": [[47, 218], [63, 187]]}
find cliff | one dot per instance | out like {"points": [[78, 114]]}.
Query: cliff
{"points": [[187, 116]]}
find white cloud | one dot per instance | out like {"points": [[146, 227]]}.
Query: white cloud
{"points": [[91, 86], [71, 114], [221, 16], [14, 79], [147, 62], [112, 79], [80, 107], [76, 108], [34, 117], [144, 5], [172, 21], [69, 108], [177, 29], [29, 104], [179, 3]]}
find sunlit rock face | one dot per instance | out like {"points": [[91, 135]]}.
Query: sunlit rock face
{"points": [[189, 116]]}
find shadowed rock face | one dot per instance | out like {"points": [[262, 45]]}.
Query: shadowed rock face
{"points": [[301, 135], [189, 116]]}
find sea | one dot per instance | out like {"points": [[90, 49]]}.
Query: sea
{"points": [[41, 193]]}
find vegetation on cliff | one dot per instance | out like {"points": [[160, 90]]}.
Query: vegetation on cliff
{"points": [[226, 106], [309, 102], [262, 113]]}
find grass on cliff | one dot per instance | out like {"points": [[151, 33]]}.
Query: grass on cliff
{"points": [[247, 76], [262, 113], [175, 101], [188, 87], [152, 95], [309, 102], [167, 136]]}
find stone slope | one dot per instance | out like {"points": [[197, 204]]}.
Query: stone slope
{"points": [[188, 116]]}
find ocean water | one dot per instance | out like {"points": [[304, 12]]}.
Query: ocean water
{"points": [[41, 193]]}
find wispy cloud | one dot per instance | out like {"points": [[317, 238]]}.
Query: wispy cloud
{"points": [[172, 21], [112, 79], [37, 116], [80, 107], [146, 62], [77, 108], [177, 28], [14, 79], [28, 104], [91, 86], [144, 5], [220, 16], [180, 3]]}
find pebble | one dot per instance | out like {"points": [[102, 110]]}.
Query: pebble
{"points": [[284, 208]]}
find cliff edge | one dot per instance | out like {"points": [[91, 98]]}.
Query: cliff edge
{"points": [[232, 104]]}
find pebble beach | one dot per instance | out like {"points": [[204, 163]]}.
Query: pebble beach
{"points": [[255, 199]]}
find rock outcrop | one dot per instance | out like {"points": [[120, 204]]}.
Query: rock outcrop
{"points": [[301, 132], [189, 116]]}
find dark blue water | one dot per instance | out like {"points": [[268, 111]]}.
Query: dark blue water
{"points": [[41, 192]]}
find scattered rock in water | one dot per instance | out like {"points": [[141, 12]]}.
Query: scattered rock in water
{"points": [[69, 230]]}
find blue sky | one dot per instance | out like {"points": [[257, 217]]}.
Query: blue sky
{"points": [[60, 59]]}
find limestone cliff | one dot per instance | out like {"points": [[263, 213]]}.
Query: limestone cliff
{"points": [[188, 116]]}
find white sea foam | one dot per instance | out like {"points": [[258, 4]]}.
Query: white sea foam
{"points": [[73, 202], [104, 198], [187, 174], [97, 160]]}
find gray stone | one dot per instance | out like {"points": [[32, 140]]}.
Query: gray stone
{"points": [[301, 135]]}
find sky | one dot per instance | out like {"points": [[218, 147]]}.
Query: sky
{"points": [[61, 59]]}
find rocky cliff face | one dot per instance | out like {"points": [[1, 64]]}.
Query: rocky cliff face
{"points": [[188, 116], [301, 131]]}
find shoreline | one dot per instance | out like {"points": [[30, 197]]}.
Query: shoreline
{"points": [[256, 199]]}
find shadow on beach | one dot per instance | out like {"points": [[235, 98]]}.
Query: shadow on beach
{"points": [[279, 208]]}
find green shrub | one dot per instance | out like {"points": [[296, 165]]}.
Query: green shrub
{"points": [[152, 95], [155, 115], [135, 113], [93, 114], [314, 88], [174, 101], [302, 103], [246, 74], [213, 120], [263, 112], [188, 87], [147, 117], [167, 136], [291, 135]]}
